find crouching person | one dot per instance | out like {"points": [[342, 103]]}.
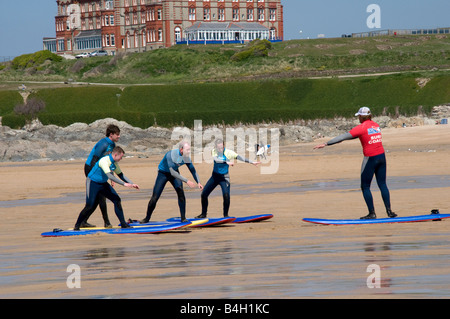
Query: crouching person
{"points": [[97, 184]]}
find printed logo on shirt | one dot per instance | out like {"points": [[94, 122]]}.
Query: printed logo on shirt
{"points": [[373, 130]]}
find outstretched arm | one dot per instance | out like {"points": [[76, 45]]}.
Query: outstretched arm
{"points": [[246, 160], [124, 181], [337, 139]]}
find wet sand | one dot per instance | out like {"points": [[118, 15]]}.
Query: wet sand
{"points": [[280, 258]]}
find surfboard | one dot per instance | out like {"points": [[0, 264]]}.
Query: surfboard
{"points": [[210, 222], [407, 219], [194, 222], [252, 218], [116, 230]]}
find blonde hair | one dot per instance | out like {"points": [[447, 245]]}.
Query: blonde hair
{"points": [[118, 150]]}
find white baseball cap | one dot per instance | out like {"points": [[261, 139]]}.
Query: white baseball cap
{"points": [[363, 111]]}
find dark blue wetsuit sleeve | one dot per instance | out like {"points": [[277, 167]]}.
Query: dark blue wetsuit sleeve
{"points": [[172, 167], [193, 172]]}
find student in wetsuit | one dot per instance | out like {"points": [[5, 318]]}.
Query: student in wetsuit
{"points": [[97, 185], [168, 172], [102, 148], [374, 163], [220, 176]]}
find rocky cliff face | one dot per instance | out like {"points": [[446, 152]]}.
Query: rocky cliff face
{"points": [[37, 142]]}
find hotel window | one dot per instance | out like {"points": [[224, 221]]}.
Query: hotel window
{"points": [[106, 21], [206, 14], [111, 21], [177, 34], [191, 14], [221, 14], [235, 14], [159, 14], [61, 45], [160, 36], [113, 40], [272, 14], [109, 4], [273, 33], [260, 14], [250, 14]]}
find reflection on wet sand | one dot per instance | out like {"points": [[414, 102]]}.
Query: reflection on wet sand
{"points": [[269, 267]]}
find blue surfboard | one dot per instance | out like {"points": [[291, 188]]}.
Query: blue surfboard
{"points": [[252, 219], [210, 222], [116, 230], [407, 219]]}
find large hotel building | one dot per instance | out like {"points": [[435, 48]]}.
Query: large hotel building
{"points": [[140, 25]]}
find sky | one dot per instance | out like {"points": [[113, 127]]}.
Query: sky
{"points": [[23, 24]]}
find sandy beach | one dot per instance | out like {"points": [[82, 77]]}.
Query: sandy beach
{"points": [[283, 257]]}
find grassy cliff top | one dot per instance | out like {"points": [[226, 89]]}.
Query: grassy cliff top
{"points": [[253, 61]]}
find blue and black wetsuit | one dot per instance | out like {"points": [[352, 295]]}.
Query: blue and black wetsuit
{"points": [[220, 176], [374, 163], [102, 148], [97, 186], [168, 172]]}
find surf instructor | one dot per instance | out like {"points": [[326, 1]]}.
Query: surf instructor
{"points": [[374, 163]]}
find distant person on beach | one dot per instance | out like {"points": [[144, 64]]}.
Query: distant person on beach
{"points": [[374, 163], [223, 158], [97, 185], [102, 148], [168, 172]]}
